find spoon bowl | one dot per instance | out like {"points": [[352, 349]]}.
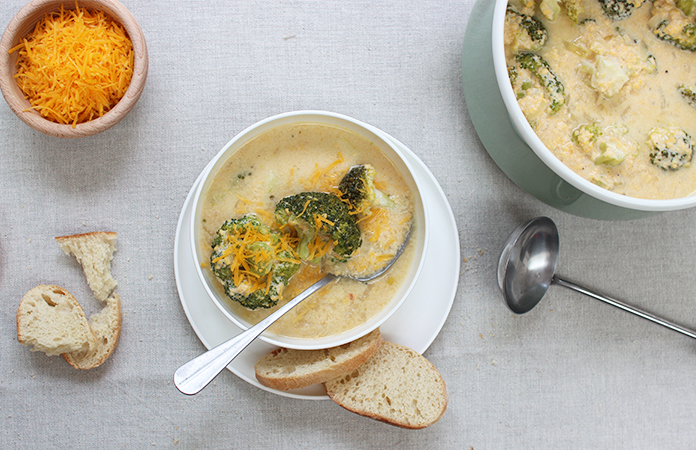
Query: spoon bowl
{"points": [[526, 270]]}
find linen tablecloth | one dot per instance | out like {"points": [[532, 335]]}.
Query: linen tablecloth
{"points": [[573, 373]]}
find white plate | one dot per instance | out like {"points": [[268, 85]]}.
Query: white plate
{"points": [[415, 324]]}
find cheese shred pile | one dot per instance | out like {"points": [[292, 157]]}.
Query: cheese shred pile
{"points": [[75, 65]]}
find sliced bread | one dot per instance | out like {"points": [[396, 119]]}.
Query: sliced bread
{"points": [[285, 369], [106, 326], [50, 319], [397, 386], [94, 251]]}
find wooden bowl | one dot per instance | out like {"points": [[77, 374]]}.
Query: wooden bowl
{"points": [[24, 22]]}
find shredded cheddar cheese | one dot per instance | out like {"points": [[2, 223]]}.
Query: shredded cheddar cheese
{"points": [[75, 65], [247, 261], [327, 177], [246, 206], [380, 185], [319, 247]]}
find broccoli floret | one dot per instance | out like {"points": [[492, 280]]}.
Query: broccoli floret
{"points": [[573, 9], [550, 9], [359, 192], [687, 6], [252, 262], [512, 74], [684, 38], [608, 147], [586, 135], [671, 148], [689, 94], [672, 24], [619, 9], [323, 223], [541, 70], [523, 32]]}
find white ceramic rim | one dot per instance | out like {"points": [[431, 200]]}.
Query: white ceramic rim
{"points": [[527, 133], [379, 138]]}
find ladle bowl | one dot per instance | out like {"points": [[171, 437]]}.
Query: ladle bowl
{"points": [[527, 266]]}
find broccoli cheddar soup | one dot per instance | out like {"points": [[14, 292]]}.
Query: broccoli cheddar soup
{"points": [[294, 203], [609, 86]]}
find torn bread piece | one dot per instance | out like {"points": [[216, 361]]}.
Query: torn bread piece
{"points": [[397, 386], [94, 251], [50, 320], [286, 369], [106, 326]]}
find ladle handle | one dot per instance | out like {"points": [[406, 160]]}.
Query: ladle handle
{"points": [[193, 376], [624, 306]]}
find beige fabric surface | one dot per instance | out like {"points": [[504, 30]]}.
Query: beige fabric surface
{"points": [[573, 373]]}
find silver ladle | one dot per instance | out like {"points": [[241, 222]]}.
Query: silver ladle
{"points": [[527, 266], [196, 374]]}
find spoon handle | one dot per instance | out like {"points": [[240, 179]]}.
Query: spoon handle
{"points": [[624, 306], [193, 376]]}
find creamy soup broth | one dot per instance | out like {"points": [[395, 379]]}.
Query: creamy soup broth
{"points": [[287, 160], [648, 98]]}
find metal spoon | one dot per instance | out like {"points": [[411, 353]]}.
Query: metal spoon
{"points": [[526, 270], [193, 376]]}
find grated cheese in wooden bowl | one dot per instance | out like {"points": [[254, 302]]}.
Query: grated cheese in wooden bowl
{"points": [[75, 65]]}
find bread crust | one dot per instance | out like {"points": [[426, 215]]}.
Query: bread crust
{"points": [[109, 234], [106, 326], [286, 369]]}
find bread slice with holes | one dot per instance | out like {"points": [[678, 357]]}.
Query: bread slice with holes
{"points": [[94, 251], [50, 320], [397, 386], [286, 369], [106, 326]]}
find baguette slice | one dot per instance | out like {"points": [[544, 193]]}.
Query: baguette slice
{"points": [[397, 386], [106, 326], [50, 319], [94, 251], [285, 369]]}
